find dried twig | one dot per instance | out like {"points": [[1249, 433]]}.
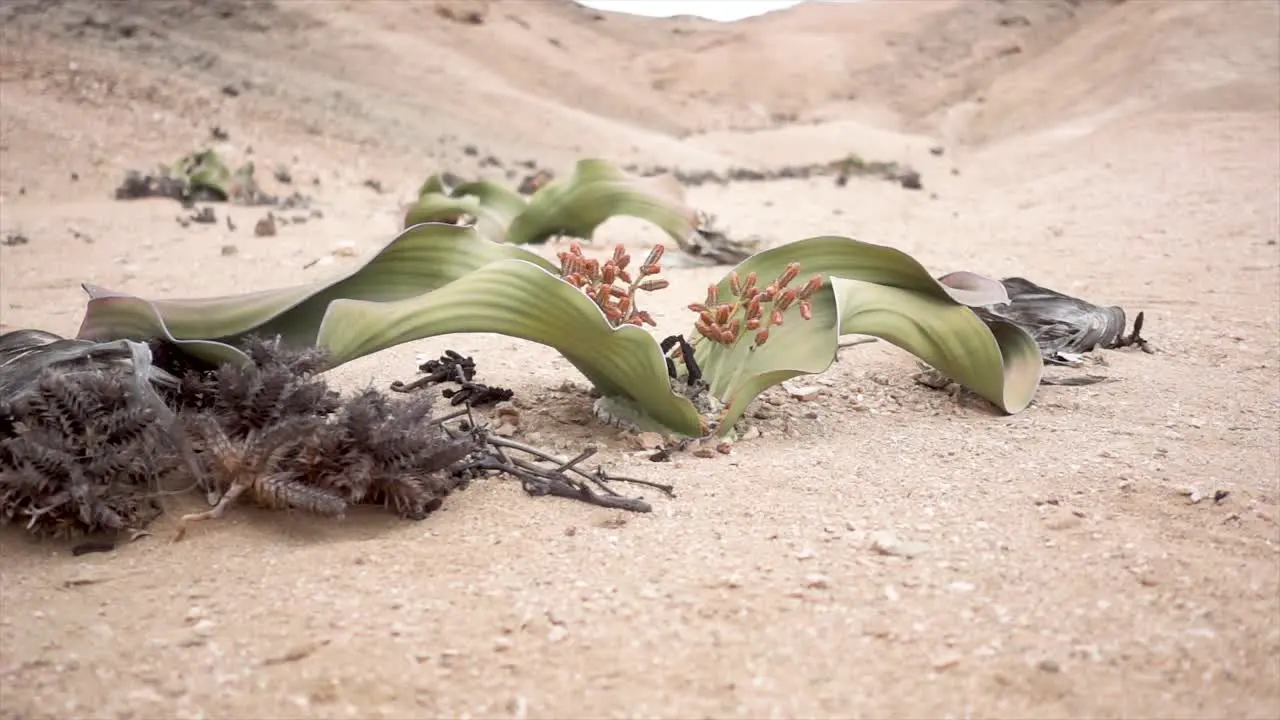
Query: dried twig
{"points": [[1135, 339], [453, 367], [544, 474], [553, 475]]}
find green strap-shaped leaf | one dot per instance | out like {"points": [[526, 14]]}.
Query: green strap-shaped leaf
{"points": [[205, 170], [421, 259], [595, 192], [440, 208], [194, 325], [838, 256], [434, 184], [1002, 365], [880, 291], [521, 300], [492, 206], [436, 279], [497, 207]]}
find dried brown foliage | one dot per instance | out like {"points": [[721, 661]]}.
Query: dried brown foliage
{"points": [[85, 446], [81, 452], [278, 435]]}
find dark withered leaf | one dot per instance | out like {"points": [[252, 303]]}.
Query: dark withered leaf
{"points": [[26, 353], [1060, 324]]}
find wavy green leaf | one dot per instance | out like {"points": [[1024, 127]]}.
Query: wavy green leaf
{"points": [[491, 206], [575, 206], [1000, 363], [879, 291], [440, 208], [595, 192], [419, 260], [497, 207], [521, 300]]}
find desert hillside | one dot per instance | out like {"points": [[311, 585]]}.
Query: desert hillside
{"points": [[553, 80], [875, 544]]}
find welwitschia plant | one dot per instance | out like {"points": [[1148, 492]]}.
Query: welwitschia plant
{"points": [[776, 316]]}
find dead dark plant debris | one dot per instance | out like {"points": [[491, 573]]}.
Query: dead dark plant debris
{"points": [[204, 216], [279, 435], [842, 169], [547, 474], [552, 475], [203, 177], [477, 395], [535, 182], [677, 347], [453, 367], [1064, 326], [81, 452], [718, 245], [83, 449], [93, 436]]}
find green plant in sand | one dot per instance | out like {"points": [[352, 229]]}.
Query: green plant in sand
{"points": [[574, 207], [437, 279]]}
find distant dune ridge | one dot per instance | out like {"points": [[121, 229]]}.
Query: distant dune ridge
{"points": [[588, 81]]}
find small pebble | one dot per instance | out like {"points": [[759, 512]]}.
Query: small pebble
{"points": [[886, 543], [946, 662], [1049, 666], [649, 440], [817, 581], [266, 227], [804, 393]]}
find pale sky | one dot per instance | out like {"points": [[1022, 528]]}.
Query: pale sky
{"points": [[723, 10]]}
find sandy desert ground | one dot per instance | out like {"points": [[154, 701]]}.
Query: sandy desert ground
{"points": [[1127, 153]]}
